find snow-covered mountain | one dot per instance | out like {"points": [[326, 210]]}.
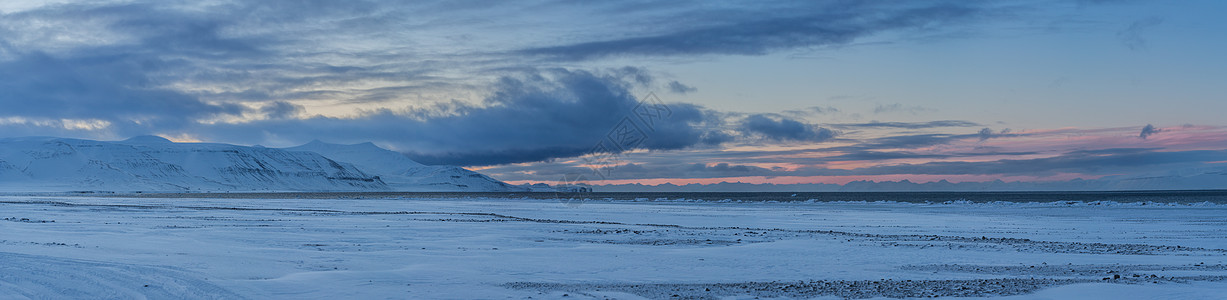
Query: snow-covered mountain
{"points": [[155, 164], [151, 163], [404, 174]]}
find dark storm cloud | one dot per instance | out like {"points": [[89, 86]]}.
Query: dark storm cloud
{"points": [[112, 88], [753, 33], [124, 83], [784, 129], [538, 116]]}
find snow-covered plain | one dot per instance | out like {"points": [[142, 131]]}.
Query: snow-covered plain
{"points": [[479, 248]]}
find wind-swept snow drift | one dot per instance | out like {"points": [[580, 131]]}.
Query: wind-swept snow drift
{"points": [[152, 163]]}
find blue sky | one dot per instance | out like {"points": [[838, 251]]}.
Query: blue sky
{"points": [[782, 92]]}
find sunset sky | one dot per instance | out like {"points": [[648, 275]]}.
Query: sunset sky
{"points": [[754, 91]]}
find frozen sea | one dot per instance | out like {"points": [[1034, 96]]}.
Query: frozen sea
{"points": [[1136, 245]]}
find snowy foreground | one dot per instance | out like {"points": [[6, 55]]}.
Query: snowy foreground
{"points": [[85, 247]]}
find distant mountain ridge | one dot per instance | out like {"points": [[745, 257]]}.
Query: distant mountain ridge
{"points": [[150, 163]]}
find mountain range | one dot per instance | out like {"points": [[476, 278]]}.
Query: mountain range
{"points": [[155, 164]]}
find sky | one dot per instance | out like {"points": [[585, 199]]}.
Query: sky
{"points": [[644, 92]]}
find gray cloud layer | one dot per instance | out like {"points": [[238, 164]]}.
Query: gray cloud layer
{"points": [[784, 129], [821, 23], [543, 115], [511, 89]]}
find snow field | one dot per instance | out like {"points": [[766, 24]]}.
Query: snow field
{"points": [[96, 247]]}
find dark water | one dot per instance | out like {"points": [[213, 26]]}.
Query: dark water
{"points": [[1213, 196]]}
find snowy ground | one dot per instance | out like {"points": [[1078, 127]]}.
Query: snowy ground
{"points": [[85, 247]]}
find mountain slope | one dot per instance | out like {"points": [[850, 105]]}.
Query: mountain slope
{"points": [[404, 174], [156, 164]]}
